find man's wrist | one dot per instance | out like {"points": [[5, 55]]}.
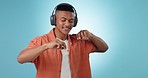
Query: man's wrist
{"points": [[91, 36], [45, 46]]}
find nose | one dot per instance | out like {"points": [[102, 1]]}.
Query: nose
{"points": [[67, 23]]}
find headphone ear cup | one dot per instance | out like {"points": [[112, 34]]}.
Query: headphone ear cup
{"points": [[75, 21], [53, 20]]}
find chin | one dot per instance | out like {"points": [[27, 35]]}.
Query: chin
{"points": [[65, 33]]}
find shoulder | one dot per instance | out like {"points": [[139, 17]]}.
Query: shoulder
{"points": [[41, 39]]}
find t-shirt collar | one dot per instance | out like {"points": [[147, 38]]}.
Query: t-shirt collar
{"points": [[52, 36]]}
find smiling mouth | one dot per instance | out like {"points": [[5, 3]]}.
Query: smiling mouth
{"points": [[67, 29]]}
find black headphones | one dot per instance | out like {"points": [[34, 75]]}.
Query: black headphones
{"points": [[53, 17]]}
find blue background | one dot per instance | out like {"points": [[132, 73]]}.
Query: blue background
{"points": [[123, 24]]}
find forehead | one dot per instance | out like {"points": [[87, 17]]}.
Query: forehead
{"points": [[66, 14]]}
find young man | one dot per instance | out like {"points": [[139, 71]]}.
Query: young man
{"points": [[60, 55]]}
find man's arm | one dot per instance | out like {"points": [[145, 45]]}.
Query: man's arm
{"points": [[98, 42], [29, 54]]}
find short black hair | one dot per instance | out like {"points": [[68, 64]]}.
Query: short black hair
{"points": [[65, 7]]}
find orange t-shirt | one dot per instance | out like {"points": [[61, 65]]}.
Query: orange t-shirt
{"points": [[48, 64]]}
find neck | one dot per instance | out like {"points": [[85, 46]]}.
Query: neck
{"points": [[60, 35]]}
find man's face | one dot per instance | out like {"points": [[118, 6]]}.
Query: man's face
{"points": [[64, 21]]}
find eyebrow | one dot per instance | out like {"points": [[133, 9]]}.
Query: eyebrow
{"points": [[68, 19]]}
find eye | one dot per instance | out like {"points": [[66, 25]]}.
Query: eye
{"points": [[71, 21], [63, 19]]}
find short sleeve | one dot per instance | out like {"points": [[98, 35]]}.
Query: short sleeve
{"points": [[35, 42]]}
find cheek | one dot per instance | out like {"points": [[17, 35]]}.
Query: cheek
{"points": [[59, 23], [72, 24]]}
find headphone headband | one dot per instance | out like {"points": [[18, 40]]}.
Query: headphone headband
{"points": [[53, 17]]}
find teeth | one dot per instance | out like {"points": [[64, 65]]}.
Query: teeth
{"points": [[66, 28]]}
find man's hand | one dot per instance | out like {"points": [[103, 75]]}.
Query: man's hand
{"points": [[84, 34], [97, 41], [57, 43]]}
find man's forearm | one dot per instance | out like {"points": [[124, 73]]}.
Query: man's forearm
{"points": [[30, 54], [99, 43]]}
